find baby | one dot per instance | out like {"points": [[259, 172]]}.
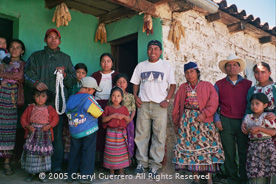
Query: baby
{"points": [[4, 55]]}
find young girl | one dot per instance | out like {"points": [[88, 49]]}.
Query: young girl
{"points": [[121, 80], [38, 120], [261, 154], [115, 118], [81, 72]]}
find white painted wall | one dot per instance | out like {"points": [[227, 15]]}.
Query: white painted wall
{"points": [[208, 43]]}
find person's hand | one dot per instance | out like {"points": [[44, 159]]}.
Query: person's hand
{"points": [[219, 125], [175, 128], [164, 104], [41, 86], [254, 130], [138, 101], [200, 118], [46, 128], [115, 115], [62, 69], [120, 116], [244, 128], [30, 128], [270, 116]]}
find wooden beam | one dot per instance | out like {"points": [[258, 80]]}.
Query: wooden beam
{"points": [[116, 15], [213, 17], [236, 27], [85, 9], [53, 3], [180, 6], [139, 6], [265, 39]]}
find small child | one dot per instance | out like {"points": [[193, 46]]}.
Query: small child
{"points": [[82, 111], [38, 121], [81, 72], [115, 118], [4, 55], [261, 154], [121, 80]]}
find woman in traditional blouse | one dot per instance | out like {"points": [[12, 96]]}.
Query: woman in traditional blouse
{"points": [[198, 148]]}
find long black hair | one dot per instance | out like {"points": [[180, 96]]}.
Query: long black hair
{"points": [[116, 89], [264, 64], [261, 97], [37, 92], [120, 75], [81, 66], [22, 46]]}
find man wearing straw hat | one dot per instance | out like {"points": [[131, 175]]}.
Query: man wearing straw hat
{"points": [[232, 91]]}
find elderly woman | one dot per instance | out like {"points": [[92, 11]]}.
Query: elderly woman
{"points": [[198, 147], [11, 96]]}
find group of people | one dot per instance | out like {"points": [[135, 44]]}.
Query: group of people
{"points": [[211, 121]]}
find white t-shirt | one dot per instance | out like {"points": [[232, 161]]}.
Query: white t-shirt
{"points": [[154, 79], [106, 86]]}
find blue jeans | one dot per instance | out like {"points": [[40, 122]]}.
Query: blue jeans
{"points": [[58, 145], [82, 155]]}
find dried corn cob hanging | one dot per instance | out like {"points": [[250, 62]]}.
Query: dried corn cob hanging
{"points": [[101, 33], [62, 15], [175, 33], [148, 24]]}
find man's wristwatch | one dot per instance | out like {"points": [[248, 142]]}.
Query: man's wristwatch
{"points": [[167, 100]]}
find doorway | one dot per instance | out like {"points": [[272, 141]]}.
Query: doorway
{"points": [[6, 30], [125, 52]]}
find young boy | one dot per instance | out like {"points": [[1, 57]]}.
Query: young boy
{"points": [[4, 55], [82, 111]]}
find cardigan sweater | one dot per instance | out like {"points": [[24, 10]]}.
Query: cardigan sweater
{"points": [[207, 98], [25, 118], [98, 76], [232, 98]]}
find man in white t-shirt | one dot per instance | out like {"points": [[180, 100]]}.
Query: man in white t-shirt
{"points": [[157, 85]]}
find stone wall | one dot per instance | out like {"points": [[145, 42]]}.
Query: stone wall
{"points": [[207, 44]]}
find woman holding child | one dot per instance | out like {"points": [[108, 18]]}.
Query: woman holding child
{"points": [[11, 96], [261, 172]]}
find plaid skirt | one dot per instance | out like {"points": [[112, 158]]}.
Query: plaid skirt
{"points": [[198, 147], [8, 119], [261, 159], [116, 154], [37, 151]]}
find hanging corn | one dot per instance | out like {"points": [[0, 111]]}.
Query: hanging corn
{"points": [[101, 33], [62, 15], [148, 24], [175, 33]]}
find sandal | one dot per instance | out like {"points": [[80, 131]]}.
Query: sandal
{"points": [[7, 169], [30, 178]]}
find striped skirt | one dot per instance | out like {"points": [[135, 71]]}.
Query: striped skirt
{"points": [[37, 151], [8, 119], [116, 154]]}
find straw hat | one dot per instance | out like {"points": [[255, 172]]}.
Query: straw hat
{"points": [[232, 57]]}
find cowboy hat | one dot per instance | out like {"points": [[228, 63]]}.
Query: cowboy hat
{"points": [[232, 57]]}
